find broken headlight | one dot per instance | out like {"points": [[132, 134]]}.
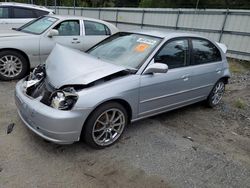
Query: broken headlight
{"points": [[37, 75], [64, 99]]}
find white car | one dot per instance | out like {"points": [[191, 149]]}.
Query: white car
{"points": [[14, 15], [30, 45]]}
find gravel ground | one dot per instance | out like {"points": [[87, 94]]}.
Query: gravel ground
{"points": [[191, 147]]}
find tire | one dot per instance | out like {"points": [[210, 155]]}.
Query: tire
{"points": [[13, 65], [98, 133], [216, 94]]}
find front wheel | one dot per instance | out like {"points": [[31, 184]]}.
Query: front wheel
{"points": [[216, 94], [105, 125], [13, 65]]}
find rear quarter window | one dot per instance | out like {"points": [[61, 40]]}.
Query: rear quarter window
{"points": [[19, 12], [203, 51], [4, 12]]}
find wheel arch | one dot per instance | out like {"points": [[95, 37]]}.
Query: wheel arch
{"points": [[19, 51], [122, 102], [225, 79]]}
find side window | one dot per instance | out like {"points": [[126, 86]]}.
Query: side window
{"points": [[22, 13], [204, 52], [68, 28], [94, 28], [174, 53], [40, 13], [4, 12]]}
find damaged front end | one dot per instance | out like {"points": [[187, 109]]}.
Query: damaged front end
{"points": [[37, 86], [66, 73]]}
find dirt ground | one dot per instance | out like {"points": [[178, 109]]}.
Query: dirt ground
{"points": [[191, 147]]}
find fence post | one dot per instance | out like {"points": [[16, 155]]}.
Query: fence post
{"points": [[81, 11], [55, 5], [177, 20], [142, 18], [99, 14], [74, 7], [116, 17], [223, 26]]}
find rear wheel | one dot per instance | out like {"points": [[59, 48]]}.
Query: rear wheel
{"points": [[216, 94], [105, 125], [13, 65]]}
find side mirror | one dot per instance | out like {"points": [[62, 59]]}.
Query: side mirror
{"points": [[53, 32], [156, 68]]}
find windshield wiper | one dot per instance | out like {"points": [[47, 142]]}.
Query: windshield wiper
{"points": [[16, 29], [131, 70]]}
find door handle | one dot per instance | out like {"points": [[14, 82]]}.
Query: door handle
{"points": [[185, 77], [75, 41]]}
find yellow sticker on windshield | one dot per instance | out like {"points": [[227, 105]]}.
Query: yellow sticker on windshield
{"points": [[141, 47]]}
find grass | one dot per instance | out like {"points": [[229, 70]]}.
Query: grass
{"points": [[239, 103], [237, 66]]}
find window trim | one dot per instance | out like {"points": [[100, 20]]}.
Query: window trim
{"points": [[192, 63], [174, 39]]}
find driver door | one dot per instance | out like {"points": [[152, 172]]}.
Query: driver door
{"points": [[162, 91], [69, 35]]}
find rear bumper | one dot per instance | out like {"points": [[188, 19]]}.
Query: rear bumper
{"points": [[61, 127]]}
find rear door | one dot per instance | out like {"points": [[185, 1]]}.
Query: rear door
{"points": [[93, 32], [206, 63]]}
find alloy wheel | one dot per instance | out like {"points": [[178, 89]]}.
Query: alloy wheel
{"points": [[218, 93], [108, 127]]}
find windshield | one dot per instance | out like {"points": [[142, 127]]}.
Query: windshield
{"points": [[39, 25], [125, 49]]}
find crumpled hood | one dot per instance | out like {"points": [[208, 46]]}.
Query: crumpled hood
{"points": [[11, 33], [66, 66]]}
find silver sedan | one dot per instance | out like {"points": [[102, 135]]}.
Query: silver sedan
{"points": [[126, 77], [30, 45]]}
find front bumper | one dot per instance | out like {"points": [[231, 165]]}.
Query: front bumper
{"points": [[62, 127]]}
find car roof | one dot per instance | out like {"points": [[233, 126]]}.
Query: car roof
{"points": [[165, 34], [72, 17], [77, 17], [25, 6]]}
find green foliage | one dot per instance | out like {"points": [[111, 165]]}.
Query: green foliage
{"points": [[232, 4], [239, 103]]}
